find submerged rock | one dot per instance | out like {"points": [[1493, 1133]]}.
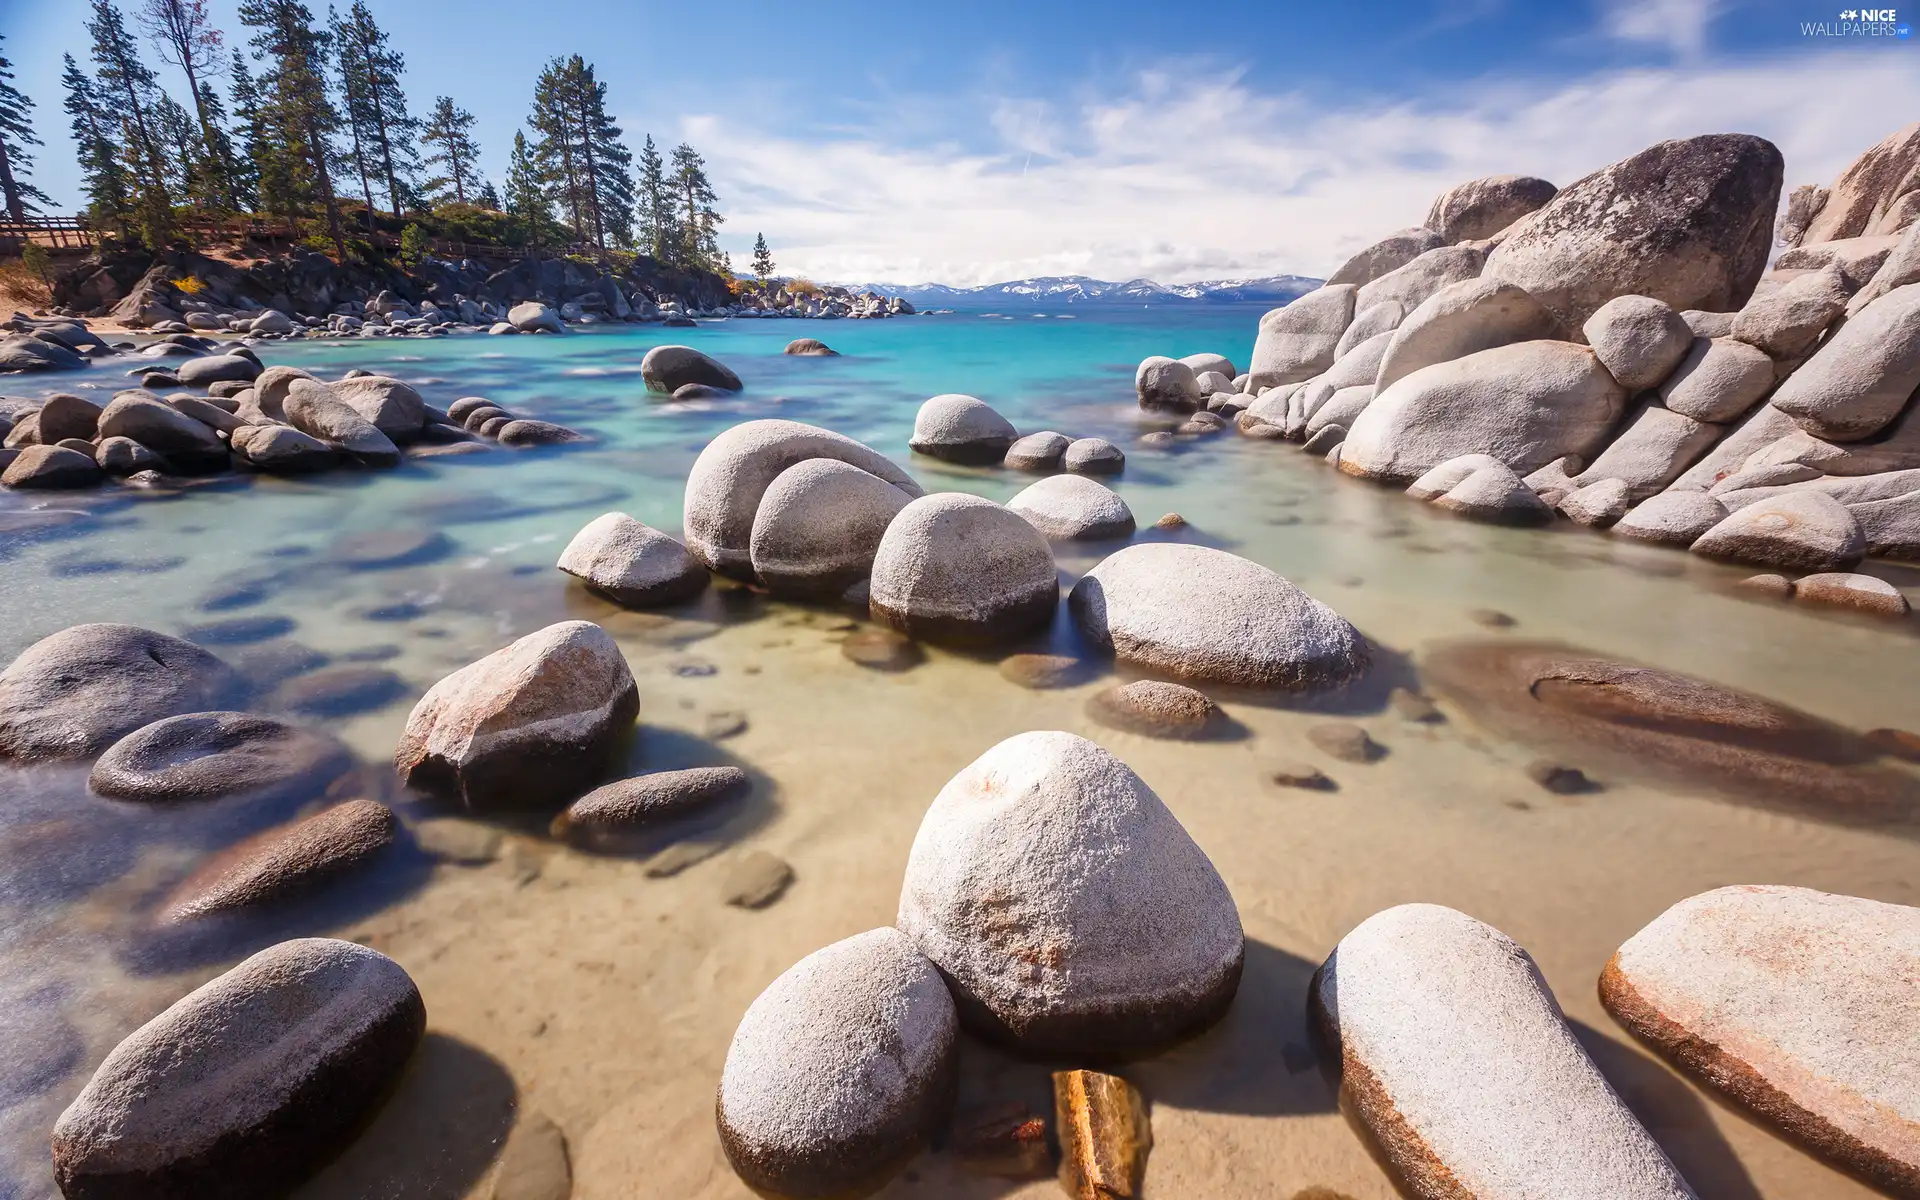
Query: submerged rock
{"points": [[1457, 1059], [882, 650], [1797, 1005], [956, 568], [250, 1083], [1196, 613], [632, 564], [281, 864], [532, 723], [621, 812], [1855, 593], [810, 348], [74, 693], [50, 468], [210, 755], [961, 429], [1156, 709], [1067, 908], [840, 1071]]}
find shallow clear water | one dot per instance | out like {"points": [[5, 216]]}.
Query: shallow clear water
{"points": [[584, 988]]}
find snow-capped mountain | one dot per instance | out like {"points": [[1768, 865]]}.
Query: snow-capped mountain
{"points": [[1054, 290]]}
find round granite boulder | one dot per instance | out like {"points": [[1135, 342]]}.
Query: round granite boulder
{"points": [[1671, 518], [961, 429], [819, 526], [1795, 531], [50, 468], [76, 692], [250, 1083], [840, 1071], [1093, 456], [959, 569], [613, 815], [669, 368], [1074, 508], [1037, 451], [632, 564], [1196, 613], [810, 348], [209, 755], [1068, 909], [1169, 384]]}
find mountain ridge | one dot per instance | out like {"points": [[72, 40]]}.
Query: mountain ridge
{"points": [[1083, 289]]}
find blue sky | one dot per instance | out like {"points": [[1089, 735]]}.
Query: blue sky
{"points": [[966, 143]]}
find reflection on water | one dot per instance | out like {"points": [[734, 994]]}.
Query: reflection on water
{"points": [[601, 990]]}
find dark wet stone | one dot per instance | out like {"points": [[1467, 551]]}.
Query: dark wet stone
{"points": [[1301, 775], [492, 426], [385, 652], [1492, 618], [1412, 706], [756, 879], [1642, 722], [1345, 741], [339, 691], [81, 566], [399, 610], [882, 650], [726, 724], [619, 813], [275, 662], [1559, 778], [1041, 671], [1155, 709], [380, 548], [281, 864], [239, 631], [205, 756]]}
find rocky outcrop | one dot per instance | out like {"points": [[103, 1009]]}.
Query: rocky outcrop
{"points": [[956, 568], [1687, 222], [1297, 342], [1122, 937], [1411, 285], [1462, 319], [1482, 208], [1863, 376], [184, 442], [1389, 254], [1875, 194]]}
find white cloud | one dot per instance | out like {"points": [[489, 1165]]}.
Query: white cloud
{"points": [[1679, 25], [1190, 175]]}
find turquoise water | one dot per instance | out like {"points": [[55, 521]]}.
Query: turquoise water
{"points": [[603, 997]]}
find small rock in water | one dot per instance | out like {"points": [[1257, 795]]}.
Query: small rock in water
{"points": [[811, 348], [382, 548], [882, 650], [1037, 451], [1094, 456], [756, 879], [1491, 618], [534, 1163], [1412, 706], [1559, 778], [1772, 587], [1302, 775], [691, 668], [1170, 520], [632, 564], [678, 857], [280, 864], [1041, 671], [239, 631], [1852, 592], [1104, 1135], [250, 1083], [956, 568], [339, 691], [1155, 709], [459, 841], [724, 724], [616, 811], [1006, 1140], [1896, 743], [1345, 741]]}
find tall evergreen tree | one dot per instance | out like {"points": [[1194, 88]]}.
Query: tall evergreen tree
{"points": [[762, 258], [699, 219], [184, 36], [659, 228], [554, 149], [180, 146], [489, 196], [455, 152], [607, 161], [253, 140], [103, 176], [16, 134], [527, 195], [127, 93], [297, 109], [376, 105]]}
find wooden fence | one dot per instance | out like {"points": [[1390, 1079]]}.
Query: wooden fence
{"points": [[55, 233], [77, 234]]}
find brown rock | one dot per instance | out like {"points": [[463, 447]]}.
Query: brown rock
{"points": [[1854, 593], [1412, 706], [1155, 709], [1171, 520], [1558, 778], [1773, 587], [1042, 671], [273, 866], [1104, 1135], [612, 815], [1896, 743], [882, 650], [1345, 741], [756, 879], [1302, 775]]}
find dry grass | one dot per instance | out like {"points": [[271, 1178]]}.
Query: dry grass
{"points": [[21, 288]]}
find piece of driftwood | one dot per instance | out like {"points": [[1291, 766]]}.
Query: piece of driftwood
{"points": [[1104, 1135]]}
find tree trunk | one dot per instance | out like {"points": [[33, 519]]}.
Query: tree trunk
{"points": [[11, 191], [380, 129], [593, 175], [325, 180]]}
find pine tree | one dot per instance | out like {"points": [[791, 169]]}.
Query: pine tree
{"points": [[659, 229], [527, 196], [247, 170], [127, 94], [184, 36], [179, 144], [455, 151], [607, 162], [16, 134], [762, 258], [553, 150], [376, 105], [298, 110], [699, 219], [358, 112], [489, 197], [109, 191]]}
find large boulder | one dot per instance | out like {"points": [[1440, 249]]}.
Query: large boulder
{"points": [[534, 317], [157, 425], [1525, 404], [20, 352], [1863, 376], [1390, 253], [733, 472], [1901, 267], [1369, 323], [1874, 194], [1481, 208], [313, 409], [841, 1071], [1297, 342], [1456, 1057], [959, 569], [1197, 613], [216, 368], [1067, 908], [76, 692], [532, 723], [1795, 1004], [1409, 286], [819, 526], [1496, 495], [49, 468], [1794, 531], [1220, 364], [1787, 321], [1638, 339], [1688, 222], [250, 1083], [1074, 508], [1166, 383], [632, 564], [670, 368], [1461, 319], [282, 450], [1718, 380], [64, 416], [1671, 518], [395, 408], [211, 755], [271, 388], [962, 429], [1655, 448]]}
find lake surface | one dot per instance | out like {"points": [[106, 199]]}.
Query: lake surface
{"points": [[588, 990]]}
